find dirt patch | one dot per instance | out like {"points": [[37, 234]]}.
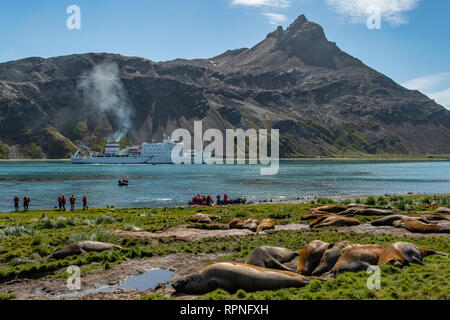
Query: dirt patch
{"points": [[190, 234]]}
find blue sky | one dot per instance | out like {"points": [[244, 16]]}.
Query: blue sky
{"points": [[412, 46]]}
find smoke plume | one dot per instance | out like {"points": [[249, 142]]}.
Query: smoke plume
{"points": [[103, 90]]}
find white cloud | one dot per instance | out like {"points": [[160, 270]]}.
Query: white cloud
{"points": [[262, 3], [435, 86], [392, 11], [276, 18]]}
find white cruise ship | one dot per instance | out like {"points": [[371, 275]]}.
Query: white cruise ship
{"points": [[147, 153]]}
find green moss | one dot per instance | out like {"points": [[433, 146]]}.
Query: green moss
{"points": [[4, 152]]}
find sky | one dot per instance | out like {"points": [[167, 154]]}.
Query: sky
{"points": [[410, 45]]}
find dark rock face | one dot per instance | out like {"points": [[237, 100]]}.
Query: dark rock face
{"points": [[323, 101]]}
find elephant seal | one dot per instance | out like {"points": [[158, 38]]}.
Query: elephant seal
{"points": [[310, 255], [331, 256], [271, 257], [442, 210], [199, 218], [251, 224], [82, 247], [357, 259], [400, 254], [355, 205], [236, 223], [420, 227], [389, 220], [366, 212], [326, 221], [316, 214], [266, 224], [332, 208], [435, 217], [232, 276]]}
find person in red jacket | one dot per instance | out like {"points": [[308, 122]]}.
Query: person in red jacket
{"points": [[59, 202], [225, 197], [72, 200], [26, 203], [85, 203]]}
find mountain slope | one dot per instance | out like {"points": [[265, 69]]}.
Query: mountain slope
{"points": [[324, 101]]}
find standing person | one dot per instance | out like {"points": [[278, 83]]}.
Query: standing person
{"points": [[63, 202], [225, 198], [16, 203], [85, 203], [25, 203], [72, 203], [218, 198], [59, 202], [28, 202]]}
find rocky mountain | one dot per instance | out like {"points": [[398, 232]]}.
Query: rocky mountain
{"points": [[323, 101]]}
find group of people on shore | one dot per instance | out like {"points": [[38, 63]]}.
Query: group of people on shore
{"points": [[208, 200], [26, 203], [62, 202]]}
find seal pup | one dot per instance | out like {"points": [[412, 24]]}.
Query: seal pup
{"points": [[358, 259], [82, 247], [310, 255], [232, 276], [199, 218], [271, 257], [420, 227], [402, 253], [266, 224]]}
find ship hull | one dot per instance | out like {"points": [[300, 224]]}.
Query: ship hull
{"points": [[131, 160]]}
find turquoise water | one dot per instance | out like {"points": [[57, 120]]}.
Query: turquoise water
{"points": [[166, 185]]}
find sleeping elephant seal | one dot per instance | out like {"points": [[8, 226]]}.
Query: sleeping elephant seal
{"points": [[358, 259], [434, 217], [420, 227], [82, 247], [326, 221], [316, 214], [366, 212], [443, 210], [199, 218], [236, 223], [271, 257], [251, 224], [331, 256], [310, 255], [400, 254], [232, 276], [389, 220], [266, 224], [332, 208]]}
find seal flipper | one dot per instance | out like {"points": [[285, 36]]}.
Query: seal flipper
{"points": [[280, 265], [415, 260]]}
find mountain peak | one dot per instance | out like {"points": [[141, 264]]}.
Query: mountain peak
{"points": [[298, 22]]}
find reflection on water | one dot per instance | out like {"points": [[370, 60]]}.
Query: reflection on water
{"points": [[166, 185]]}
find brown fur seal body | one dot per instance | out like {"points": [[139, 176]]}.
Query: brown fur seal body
{"points": [[389, 220], [366, 212], [236, 223], [83, 246], [310, 255], [400, 254], [266, 224], [326, 221], [232, 276], [358, 259], [331, 256], [420, 227], [251, 224], [315, 214], [271, 257], [435, 217], [199, 218], [332, 208]]}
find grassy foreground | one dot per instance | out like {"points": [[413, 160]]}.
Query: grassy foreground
{"points": [[28, 239]]}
